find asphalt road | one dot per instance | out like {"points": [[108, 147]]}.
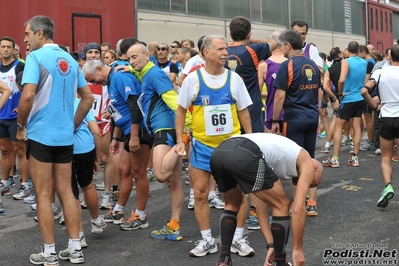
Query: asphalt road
{"points": [[349, 227]]}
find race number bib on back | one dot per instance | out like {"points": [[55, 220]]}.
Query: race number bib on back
{"points": [[218, 120]]}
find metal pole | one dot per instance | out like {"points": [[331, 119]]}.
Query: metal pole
{"points": [[367, 21], [289, 13], [136, 21]]}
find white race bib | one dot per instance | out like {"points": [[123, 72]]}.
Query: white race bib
{"points": [[218, 119], [113, 112], [96, 105]]}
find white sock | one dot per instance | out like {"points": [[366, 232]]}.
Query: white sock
{"points": [[118, 208], [48, 249], [207, 234], [141, 214], [81, 234], [327, 145], [238, 234], [5, 182], [25, 185], [191, 191], [74, 244], [97, 220], [211, 194]]}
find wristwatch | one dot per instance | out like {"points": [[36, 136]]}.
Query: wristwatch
{"points": [[20, 127]]}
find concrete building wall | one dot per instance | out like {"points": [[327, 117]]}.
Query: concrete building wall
{"points": [[166, 28]]}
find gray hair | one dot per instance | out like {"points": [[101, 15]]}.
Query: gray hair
{"points": [[42, 23], [293, 38], [89, 68], [275, 36], [118, 47], [208, 39]]}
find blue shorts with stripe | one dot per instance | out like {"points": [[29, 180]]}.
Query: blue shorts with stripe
{"points": [[200, 156]]}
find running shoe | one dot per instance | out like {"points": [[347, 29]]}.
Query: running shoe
{"points": [[74, 257], [216, 202], [203, 247], [325, 150], [134, 222], [190, 205], [378, 151], [82, 241], [253, 223], [97, 227], [114, 217], [5, 189], [22, 193], [100, 187], [42, 259], [353, 161], [386, 195], [11, 181], [106, 202], [166, 233], [31, 199], [115, 195], [242, 248], [331, 162], [322, 135], [311, 210]]}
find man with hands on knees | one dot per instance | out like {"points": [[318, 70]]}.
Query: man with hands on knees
{"points": [[255, 163]]}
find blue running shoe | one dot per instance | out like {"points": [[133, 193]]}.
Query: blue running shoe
{"points": [[166, 233]]}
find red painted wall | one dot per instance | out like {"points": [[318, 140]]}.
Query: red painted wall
{"points": [[117, 20], [380, 38]]}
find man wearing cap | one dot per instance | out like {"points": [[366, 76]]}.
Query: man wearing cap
{"points": [[101, 99]]}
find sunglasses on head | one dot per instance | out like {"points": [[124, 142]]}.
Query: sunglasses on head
{"points": [[162, 48]]}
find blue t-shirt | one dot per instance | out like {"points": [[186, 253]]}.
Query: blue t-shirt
{"points": [[83, 140], [121, 85], [244, 60], [57, 77], [299, 77], [354, 81], [157, 115]]}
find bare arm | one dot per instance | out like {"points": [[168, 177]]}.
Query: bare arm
{"points": [[272, 44], [95, 131], [262, 70], [172, 77], [84, 106], [366, 95], [179, 127], [6, 92], [26, 102], [343, 75], [245, 120], [181, 79]]}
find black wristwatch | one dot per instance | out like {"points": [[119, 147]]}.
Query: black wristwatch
{"points": [[334, 100], [20, 127], [270, 245]]}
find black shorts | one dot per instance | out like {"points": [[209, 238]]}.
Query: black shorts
{"points": [[349, 110], [49, 154], [302, 134], [389, 128], [82, 171], [257, 120], [165, 137], [239, 161], [8, 129], [144, 137]]}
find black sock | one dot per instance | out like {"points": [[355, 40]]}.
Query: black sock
{"points": [[228, 224], [115, 188], [280, 231]]}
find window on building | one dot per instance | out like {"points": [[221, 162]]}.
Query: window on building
{"points": [[272, 10], [371, 19], [376, 19], [154, 5], [178, 6], [386, 22], [382, 22], [390, 22]]}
